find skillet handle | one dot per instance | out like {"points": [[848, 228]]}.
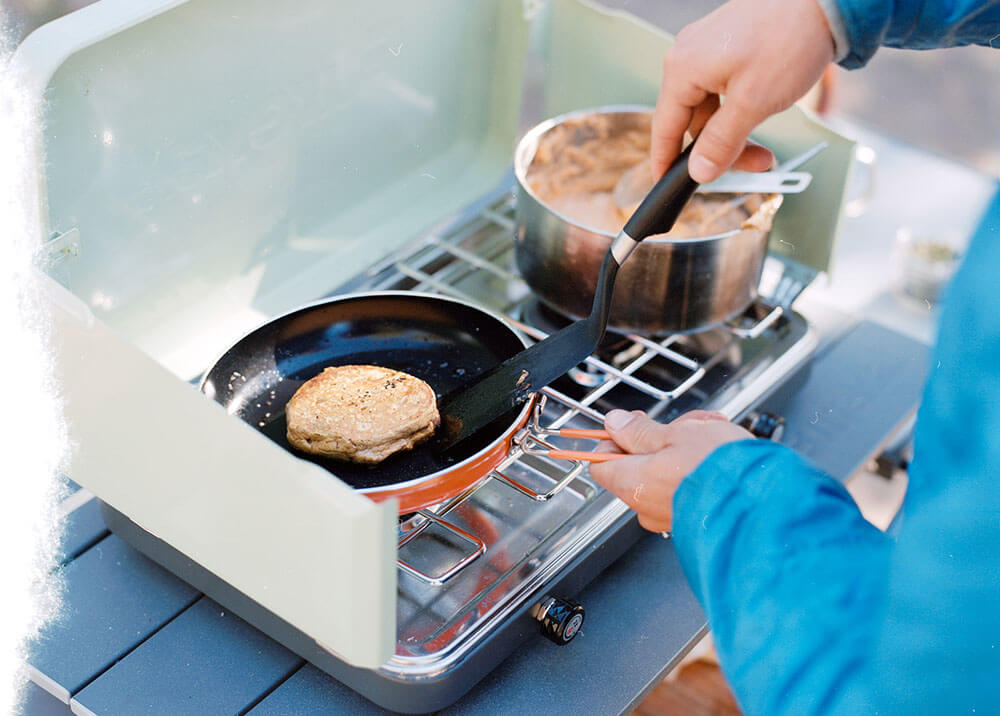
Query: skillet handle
{"points": [[664, 202], [585, 456]]}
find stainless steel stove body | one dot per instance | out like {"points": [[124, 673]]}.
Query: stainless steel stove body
{"points": [[475, 572]]}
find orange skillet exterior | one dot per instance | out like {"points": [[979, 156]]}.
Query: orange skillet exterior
{"points": [[446, 484]]}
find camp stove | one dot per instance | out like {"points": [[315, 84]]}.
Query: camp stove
{"points": [[499, 563], [207, 166]]}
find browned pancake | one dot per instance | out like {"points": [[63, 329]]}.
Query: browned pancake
{"points": [[361, 413]]}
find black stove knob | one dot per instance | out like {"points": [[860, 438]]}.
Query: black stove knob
{"points": [[561, 619], [764, 425]]}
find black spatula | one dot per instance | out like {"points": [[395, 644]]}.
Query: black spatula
{"points": [[493, 393]]}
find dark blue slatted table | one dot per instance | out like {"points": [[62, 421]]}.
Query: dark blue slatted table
{"points": [[135, 639], [310, 691], [115, 599], [68, 485], [36, 701], [204, 661], [83, 528]]}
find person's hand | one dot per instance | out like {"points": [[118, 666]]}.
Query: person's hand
{"points": [[662, 456], [762, 55]]}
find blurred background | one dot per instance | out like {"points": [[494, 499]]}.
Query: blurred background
{"points": [[943, 101]]}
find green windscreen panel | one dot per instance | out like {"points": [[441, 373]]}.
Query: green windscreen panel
{"points": [[226, 160]]}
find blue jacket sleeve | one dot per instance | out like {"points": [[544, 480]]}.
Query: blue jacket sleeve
{"points": [[787, 570], [816, 611], [865, 25], [938, 647]]}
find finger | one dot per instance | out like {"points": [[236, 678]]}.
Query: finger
{"points": [[702, 415], [607, 446], [674, 110], [636, 432], [754, 158], [620, 477], [670, 121], [657, 524], [646, 483], [692, 438], [701, 114], [723, 139], [636, 477]]}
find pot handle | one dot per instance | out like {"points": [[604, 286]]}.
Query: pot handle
{"points": [[663, 204]]}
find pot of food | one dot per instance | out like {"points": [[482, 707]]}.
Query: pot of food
{"points": [[360, 375], [703, 272]]}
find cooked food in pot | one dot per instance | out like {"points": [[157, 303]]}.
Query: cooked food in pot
{"points": [[704, 272], [579, 162], [361, 413]]}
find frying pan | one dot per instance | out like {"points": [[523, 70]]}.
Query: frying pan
{"points": [[443, 341]]}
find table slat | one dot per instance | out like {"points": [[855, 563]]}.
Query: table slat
{"points": [[81, 529], [206, 661], [310, 691], [114, 599], [67, 485], [36, 701]]}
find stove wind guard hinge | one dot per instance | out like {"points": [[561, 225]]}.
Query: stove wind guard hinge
{"points": [[61, 247], [781, 282]]}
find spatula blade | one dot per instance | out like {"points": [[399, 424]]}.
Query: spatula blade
{"points": [[488, 396]]}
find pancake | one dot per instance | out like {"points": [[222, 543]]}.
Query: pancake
{"points": [[361, 413]]}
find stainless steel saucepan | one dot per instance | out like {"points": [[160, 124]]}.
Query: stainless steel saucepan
{"points": [[670, 284]]}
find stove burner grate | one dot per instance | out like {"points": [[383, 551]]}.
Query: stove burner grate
{"points": [[472, 259]]}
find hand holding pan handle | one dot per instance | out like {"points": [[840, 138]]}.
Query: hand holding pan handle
{"points": [[582, 455]]}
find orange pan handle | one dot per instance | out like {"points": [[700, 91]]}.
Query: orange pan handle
{"points": [[584, 455], [586, 434]]}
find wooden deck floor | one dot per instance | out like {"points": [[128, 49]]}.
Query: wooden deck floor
{"points": [[697, 689]]}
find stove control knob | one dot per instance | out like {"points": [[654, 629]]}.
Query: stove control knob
{"points": [[764, 425], [561, 619]]}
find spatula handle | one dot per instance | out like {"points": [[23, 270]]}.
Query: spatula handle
{"points": [[664, 202], [656, 215]]}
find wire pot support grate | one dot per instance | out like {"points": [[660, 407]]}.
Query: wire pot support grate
{"points": [[471, 258]]}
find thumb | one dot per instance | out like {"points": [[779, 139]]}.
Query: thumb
{"points": [[636, 432], [723, 139]]}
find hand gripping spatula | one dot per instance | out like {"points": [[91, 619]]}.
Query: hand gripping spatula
{"points": [[486, 397]]}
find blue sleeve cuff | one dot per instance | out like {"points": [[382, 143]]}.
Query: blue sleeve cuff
{"points": [[912, 24], [865, 25], [835, 21]]}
